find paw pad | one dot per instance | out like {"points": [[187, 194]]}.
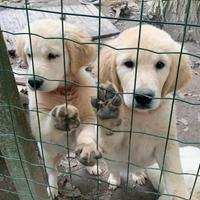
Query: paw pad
{"points": [[107, 105], [66, 119]]}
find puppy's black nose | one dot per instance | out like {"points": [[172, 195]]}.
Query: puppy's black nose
{"points": [[36, 84], [144, 97]]}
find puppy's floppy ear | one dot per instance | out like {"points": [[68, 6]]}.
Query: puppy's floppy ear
{"points": [[79, 54], [20, 43], [107, 68], [184, 75]]}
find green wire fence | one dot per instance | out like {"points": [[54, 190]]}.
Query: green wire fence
{"points": [[16, 143]]}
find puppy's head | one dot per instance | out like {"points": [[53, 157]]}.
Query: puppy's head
{"points": [[157, 67], [49, 57]]}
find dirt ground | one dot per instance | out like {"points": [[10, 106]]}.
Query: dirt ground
{"points": [[188, 122]]}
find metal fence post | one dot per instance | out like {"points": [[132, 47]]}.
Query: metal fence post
{"points": [[16, 142]]}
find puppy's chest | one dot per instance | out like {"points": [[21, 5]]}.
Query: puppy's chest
{"points": [[146, 134], [153, 125], [141, 149], [155, 122]]}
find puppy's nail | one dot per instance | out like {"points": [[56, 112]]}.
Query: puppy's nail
{"points": [[54, 112], [101, 94], [78, 152], [110, 92], [85, 158], [94, 102], [107, 113], [77, 123], [117, 100], [98, 155], [87, 163], [62, 127]]}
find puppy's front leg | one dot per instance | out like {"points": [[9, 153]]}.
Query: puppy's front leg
{"points": [[107, 108], [86, 150], [87, 138], [174, 183], [52, 172], [63, 118]]}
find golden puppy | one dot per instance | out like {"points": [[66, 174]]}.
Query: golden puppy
{"points": [[46, 60], [155, 79]]}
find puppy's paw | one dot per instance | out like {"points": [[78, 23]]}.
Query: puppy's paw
{"points": [[108, 103], [52, 193], [66, 118], [113, 181], [139, 178], [87, 154], [94, 171]]}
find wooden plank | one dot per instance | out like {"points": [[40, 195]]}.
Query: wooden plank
{"points": [[27, 178], [15, 20], [91, 22], [109, 28], [76, 20], [106, 28]]}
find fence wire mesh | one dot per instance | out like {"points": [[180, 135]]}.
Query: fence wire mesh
{"points": [[99, 44]]}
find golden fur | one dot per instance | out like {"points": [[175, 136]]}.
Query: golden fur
{"points": [[51, 96], [145, 149]]}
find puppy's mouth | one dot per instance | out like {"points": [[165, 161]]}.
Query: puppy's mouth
{"points": [[144, 108]]}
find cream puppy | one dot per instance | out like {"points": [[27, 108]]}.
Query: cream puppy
{"points": [[151, 127], [52, 60]]}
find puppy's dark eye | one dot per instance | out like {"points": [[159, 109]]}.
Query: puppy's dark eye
{"points": [[160, 65], [52, 56], [29, 55], [129, 64]]}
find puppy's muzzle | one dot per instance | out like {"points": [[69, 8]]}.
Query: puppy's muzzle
{"points": [[35, 83], [144, 98]]}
